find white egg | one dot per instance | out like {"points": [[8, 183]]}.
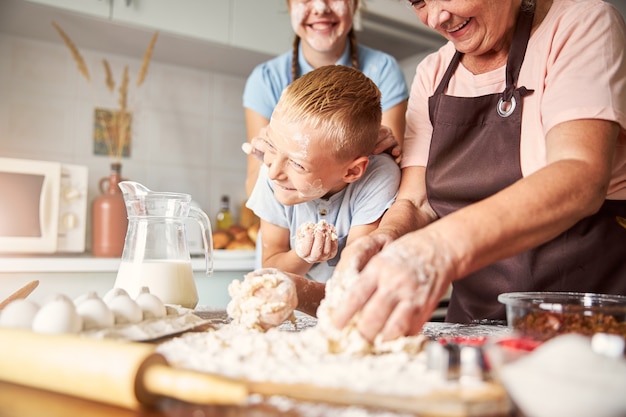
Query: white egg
{"points": [[19, 314], [112, 293], [56, 316], [151, 305], [82, 298], [125, 309], [94, 311]]}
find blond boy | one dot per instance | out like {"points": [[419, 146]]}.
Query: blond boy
{"points": [[318, 167]]}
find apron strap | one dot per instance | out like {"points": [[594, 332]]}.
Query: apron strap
{"points": [[518, 51]]}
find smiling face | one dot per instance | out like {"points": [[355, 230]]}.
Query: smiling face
{"points": [[323, 25], [321, 132], [476, 27], [299, 162]]}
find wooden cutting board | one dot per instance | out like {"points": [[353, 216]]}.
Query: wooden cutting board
{"points": [[132, 375]]}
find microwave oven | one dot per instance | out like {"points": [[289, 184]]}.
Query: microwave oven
{"points": [[43, 207]]}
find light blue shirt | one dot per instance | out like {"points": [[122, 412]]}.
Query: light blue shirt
{"points": [[268, 80], [361, 202]]}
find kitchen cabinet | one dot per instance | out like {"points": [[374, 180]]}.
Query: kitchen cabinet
{"points": [[78, 275], [263, 26], [207, 20], [98, 8]]}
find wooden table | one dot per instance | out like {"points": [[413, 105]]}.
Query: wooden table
{"points": [[21, 401]]}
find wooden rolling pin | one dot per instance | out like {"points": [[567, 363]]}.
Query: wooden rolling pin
{"points": [[132, 374], [119, 373]]}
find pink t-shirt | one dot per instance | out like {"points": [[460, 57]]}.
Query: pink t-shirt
{"points": [[576, 65]]}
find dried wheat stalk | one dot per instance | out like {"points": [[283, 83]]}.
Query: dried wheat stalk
{"points": [[80, 62], [115, 130], [109, 75], [124, 89], [146, 60]]}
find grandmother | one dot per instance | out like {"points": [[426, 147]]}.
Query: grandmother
{"points": [[514, 167]]}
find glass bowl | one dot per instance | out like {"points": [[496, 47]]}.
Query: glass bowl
{"points": [[544, 315]]}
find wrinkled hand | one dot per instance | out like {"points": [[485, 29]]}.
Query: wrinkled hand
{"points": [[387, 143], [316, 242], [399, 288], [357, 254]]}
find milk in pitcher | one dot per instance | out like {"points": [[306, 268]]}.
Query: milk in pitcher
{"points": [[171, 281]]}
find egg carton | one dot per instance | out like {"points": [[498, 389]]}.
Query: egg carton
{"points": [[114, 316]]}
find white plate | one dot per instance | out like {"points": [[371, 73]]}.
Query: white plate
{"points": [[233, 254]]}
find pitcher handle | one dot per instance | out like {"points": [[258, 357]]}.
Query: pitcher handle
{"points": [[207, 236]]}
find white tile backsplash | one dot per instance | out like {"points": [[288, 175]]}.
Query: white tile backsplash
{"points": [[187, 129]]}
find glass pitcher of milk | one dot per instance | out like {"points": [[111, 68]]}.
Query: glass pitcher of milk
{"points": [[155, 251]]}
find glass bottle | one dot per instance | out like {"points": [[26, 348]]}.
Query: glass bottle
{"points": [[224, 218]]}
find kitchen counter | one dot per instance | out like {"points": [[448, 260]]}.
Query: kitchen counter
{"points": [[76, 275], [223, 261]]}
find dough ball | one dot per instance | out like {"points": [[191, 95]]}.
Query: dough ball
{"points": [[264, 299], [316, 242]]}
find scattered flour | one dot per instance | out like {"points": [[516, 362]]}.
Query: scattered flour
{"points": [[301, 357]]}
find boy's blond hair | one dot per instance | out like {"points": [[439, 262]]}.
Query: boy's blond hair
{"points": [[341, 103]]}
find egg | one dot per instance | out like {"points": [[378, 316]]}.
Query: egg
{"points": [[94, 311], [125, 309], [150, 304], [112, 293], [19, 314], [57, 316]]}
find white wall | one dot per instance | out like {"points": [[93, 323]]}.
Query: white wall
{"points": [[187, 129]]}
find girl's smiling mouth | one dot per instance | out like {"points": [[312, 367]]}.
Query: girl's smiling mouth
{"points": [[321, 26]]}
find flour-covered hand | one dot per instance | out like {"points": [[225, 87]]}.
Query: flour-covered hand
{"points": [[399, 288], [316, 242]]}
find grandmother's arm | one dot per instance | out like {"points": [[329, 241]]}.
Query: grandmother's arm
{"points": [[539, 207]]}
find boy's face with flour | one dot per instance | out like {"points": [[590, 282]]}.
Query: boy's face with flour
{"points": [[319, 136]]}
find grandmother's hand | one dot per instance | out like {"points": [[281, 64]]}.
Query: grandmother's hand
{"points": [[387, 143], [399, 288]]}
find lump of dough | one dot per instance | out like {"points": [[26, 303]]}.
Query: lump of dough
{"points": [[348, 340], [309, 248], [264, 299]]}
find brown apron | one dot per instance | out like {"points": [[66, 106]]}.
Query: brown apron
{"points": [[474, 153]]}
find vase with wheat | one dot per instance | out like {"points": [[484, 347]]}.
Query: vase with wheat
{"points": [[112, 138]]}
